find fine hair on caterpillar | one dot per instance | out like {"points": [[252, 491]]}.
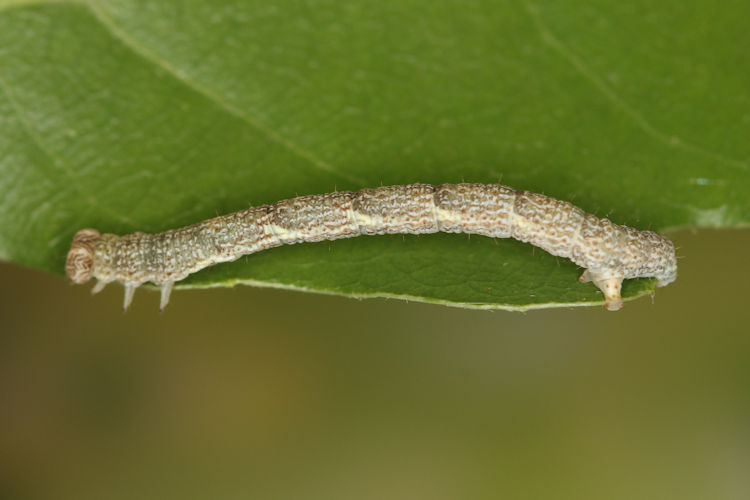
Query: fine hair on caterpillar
{"points": [[609, 252]]}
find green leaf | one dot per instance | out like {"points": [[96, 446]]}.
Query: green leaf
{"points": [[148, 115]]}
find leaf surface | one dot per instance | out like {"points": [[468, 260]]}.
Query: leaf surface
{"points": [[148, 115]]}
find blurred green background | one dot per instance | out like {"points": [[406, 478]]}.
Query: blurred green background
{"points": [[260, 393]]}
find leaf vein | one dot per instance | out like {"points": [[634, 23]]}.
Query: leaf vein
{"points": [[55, 161], [549, 39], [138, 48]]}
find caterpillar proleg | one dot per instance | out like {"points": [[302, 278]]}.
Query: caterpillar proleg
{"points": [[609, 252]]}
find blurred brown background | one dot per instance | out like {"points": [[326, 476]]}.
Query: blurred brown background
{"points": [[259, 393]]}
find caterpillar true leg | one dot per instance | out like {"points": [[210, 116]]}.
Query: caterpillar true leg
{"points": [[129, 292], [166, 289], [98, 287]]}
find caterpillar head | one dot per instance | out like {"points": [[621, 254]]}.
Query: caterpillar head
{"points": [[80, 263]]}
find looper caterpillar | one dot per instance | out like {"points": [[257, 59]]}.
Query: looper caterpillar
{"points": [[609, 252]]}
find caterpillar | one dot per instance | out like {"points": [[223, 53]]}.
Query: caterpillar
{"points": [[609, 252]]}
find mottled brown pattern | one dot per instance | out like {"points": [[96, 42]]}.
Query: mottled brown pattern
{"points": [[609, 252]]}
